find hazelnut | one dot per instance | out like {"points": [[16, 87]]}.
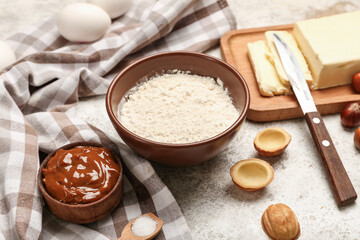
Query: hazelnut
{"points": [[357, 138], [350, 115], [356, 82], [279, 222]]}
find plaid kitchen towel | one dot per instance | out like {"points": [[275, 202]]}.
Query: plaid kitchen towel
{"points": [[38, 93]]}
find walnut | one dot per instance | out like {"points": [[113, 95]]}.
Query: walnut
{"points": [[279, 222]]}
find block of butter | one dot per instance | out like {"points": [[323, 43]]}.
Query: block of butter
{"points": [[331, 46], [266, 76], [269, 72], [291, 42]]}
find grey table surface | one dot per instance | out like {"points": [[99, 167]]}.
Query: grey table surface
{"points": [[212, 205]]}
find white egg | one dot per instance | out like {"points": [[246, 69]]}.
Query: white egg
{"points": [[115, 8], [7, 55], [83, 22]]}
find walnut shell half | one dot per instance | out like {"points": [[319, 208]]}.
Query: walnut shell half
{"points": [[279, 222]]}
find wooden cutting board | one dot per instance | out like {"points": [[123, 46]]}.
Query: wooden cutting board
{"points": [[264, 109]]}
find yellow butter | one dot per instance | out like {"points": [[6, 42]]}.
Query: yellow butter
{"points": [[331, 46], [291, 43], [266, 76]]}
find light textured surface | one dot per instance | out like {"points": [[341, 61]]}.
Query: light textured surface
{"points": [[213, 206]]}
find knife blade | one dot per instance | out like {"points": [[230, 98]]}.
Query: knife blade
{"points": [[342, 187]]}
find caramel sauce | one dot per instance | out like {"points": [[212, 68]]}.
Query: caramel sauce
{"points": [[80, 175]]}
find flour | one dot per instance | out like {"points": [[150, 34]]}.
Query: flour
{"points": [[178, 108]]}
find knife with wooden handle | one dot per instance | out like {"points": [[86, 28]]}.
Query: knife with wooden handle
{"points": [[343, 189]]}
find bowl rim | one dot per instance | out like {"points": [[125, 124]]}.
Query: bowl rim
{"points": [[227, 131], [69, 146]]}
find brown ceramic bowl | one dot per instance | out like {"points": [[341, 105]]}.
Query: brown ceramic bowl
{"points": [[82, 213], [197, 63]]}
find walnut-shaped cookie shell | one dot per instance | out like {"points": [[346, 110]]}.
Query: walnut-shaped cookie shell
{"points": [[271, 141], [279, 222], [252, 174]]}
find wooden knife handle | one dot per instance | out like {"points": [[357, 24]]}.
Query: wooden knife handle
{"points": [[342, 187]]}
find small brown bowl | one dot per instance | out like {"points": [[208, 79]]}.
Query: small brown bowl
{"points": [[82, 213], [186, 154]]}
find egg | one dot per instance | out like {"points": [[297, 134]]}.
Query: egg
{"points": [[115, 8], [7, 55], [82, 22]]}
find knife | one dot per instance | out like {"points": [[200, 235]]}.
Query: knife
{"points": [[342, 187]]}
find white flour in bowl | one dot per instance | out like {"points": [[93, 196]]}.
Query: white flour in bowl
{"points": [[178, 108]]}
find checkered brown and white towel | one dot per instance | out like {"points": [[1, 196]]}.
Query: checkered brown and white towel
{"points": [[38, 94]]}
